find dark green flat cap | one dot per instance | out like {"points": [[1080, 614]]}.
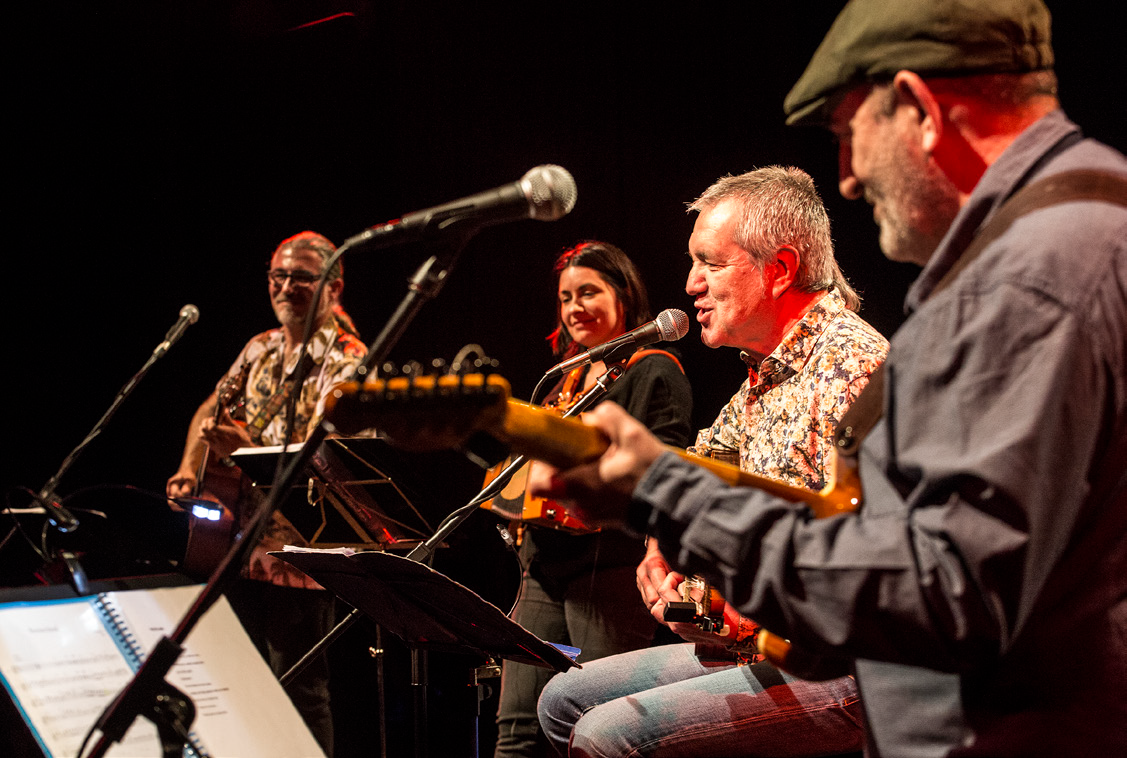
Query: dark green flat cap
{"points": [[873, 39]]}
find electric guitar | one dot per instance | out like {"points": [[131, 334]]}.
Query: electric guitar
{"points": [[435, 413]]}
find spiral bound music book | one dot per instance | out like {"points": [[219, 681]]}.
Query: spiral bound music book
{"points": [[63, 661]]}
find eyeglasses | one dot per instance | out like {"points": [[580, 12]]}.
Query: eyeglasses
{"points": [[278, 276]]}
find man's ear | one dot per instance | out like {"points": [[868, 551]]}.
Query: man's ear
{"points": [[335, 287], [783, 270], [912, 90]]}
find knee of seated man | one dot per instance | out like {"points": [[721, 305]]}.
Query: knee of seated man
{"points": [[556, 708], [608, 730]]}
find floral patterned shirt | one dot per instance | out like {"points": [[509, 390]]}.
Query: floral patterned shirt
{"points": [[780, 423], [335, 353]]}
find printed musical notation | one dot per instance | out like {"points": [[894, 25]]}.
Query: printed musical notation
{"points": [[62, 667], [63, 662]]}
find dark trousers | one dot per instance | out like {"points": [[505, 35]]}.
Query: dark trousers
{"points": [[284, 623]]}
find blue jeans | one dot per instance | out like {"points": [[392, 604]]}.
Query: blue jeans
{"points": [[664, 702], [601, 613]]}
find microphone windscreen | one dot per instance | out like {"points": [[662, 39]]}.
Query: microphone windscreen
{"points": [[672, 323], [551, 192]]}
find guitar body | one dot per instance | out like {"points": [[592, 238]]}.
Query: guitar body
{"points": [[211, 521], [208, 541], [514, 503], [219, 487]]}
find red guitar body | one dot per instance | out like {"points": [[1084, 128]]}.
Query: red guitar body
{"points": [[211, 523]]}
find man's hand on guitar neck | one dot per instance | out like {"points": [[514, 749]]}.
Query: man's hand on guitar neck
{"points": [[223, 435], [598, 493]]}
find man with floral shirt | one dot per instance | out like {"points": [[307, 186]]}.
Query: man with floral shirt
{"points": [[284, 611], [764, 280]]}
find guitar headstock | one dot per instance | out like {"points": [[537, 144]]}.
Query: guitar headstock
{"points": [[421, 413]]}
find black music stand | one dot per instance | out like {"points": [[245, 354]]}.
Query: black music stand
{"points": [[426, 609], [354, 495]]}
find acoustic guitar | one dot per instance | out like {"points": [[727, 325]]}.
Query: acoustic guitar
{"points": [[433, 413], [211, 525]]}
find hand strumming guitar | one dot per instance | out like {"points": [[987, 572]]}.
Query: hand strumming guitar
{"points": [[660, 585], [210, 422], [224, 435], [651, 573]]}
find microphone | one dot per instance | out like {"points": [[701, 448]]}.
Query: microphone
{"points": [[545, 193], [188, 316], [670, 325]]}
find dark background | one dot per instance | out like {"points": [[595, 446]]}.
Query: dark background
{"points": [[159, 151]]}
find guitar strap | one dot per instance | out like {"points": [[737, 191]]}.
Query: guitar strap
{"points": [[639, 355], [274, 404], [1068, 186], [570, 394]]}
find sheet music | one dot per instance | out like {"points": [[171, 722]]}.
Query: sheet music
{"points": [[225, 676], [63, 664], [63, 668]]}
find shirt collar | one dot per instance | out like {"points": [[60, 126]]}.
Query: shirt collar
{"points": [[790, 355], [1002, 178], [319, 345]]}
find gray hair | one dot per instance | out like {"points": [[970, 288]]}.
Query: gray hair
{"points": [[779, 206]]}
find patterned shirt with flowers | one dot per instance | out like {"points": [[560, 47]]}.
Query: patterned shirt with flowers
{"points": [[334, 353], [781, 422]]}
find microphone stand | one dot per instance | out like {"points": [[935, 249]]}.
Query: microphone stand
{"points": [[58, 515], [147, 693]]}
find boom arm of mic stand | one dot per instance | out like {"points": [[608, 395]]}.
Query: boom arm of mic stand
{"points": [[58, 515], [61, 518], [423, 286]]}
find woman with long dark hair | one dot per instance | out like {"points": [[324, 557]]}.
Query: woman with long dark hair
{"points": [[580, 589]]}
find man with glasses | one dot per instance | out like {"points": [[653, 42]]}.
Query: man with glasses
{"points": [[284, 611]]}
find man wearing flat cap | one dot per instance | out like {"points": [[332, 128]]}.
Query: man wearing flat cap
{"points": [[979, 593]]}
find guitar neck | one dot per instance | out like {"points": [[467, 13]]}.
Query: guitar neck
{"points": [[429, 413], [225, 397], [563, 442]]}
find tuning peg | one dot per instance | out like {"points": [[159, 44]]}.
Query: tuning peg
{"points": [[486, 365], [462, 364], [412, 370], [438, 367], [389, 370]]}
